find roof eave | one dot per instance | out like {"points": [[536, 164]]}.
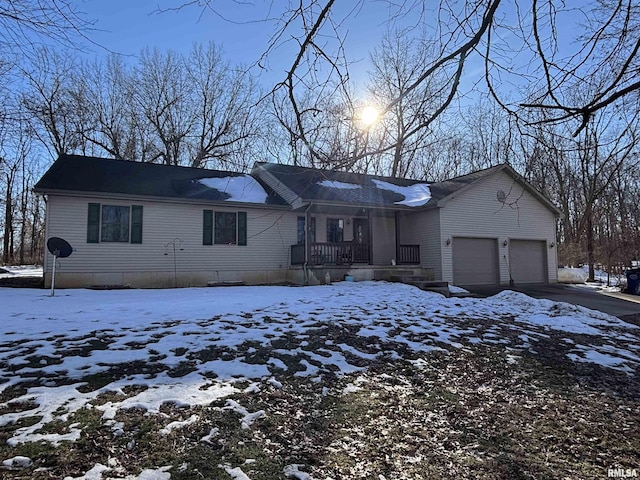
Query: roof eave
{"points": [[155, 198], [308, 201]]}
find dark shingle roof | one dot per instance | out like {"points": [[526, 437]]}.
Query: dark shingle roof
{"points": [[306, 183], [316, 185], [77, 173]]}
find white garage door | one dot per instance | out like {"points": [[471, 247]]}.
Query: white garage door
{"points": [[475, 261], [528, 261]]}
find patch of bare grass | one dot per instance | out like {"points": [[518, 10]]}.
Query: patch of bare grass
{"points": [[472, 412]]}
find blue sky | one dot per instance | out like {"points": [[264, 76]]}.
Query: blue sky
{"points": [[128, 26], [244, 28]]}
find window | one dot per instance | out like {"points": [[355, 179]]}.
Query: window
{"points": [[335, 230], [114, 223], [224, 228], [312, 230]]}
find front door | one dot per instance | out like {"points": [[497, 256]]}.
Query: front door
{"points": [[360, 240]]}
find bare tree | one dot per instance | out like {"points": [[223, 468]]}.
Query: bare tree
{"points": [[518, 43], [28, 26], [14, 150], [52, 104], [105, 92], [579, 174], [160, 94], [33, 97], [25, 24], [223, 100], [604, 150], [396, 63]]}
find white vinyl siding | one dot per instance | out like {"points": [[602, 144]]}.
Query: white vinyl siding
{"points": [[423, 228], [270, 233], [383, 233], [476, 212]]}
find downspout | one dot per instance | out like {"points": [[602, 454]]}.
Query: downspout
{"points": [[397, 234], [307, 225]]}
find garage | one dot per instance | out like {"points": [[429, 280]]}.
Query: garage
{"points": [[528, 261], [475, 261]]}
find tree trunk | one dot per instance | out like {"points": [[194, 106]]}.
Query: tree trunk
{"points": [[23, 216], [8, 220], [590, 247], [35, 225]]}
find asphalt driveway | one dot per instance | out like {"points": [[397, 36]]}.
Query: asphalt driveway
{"points": [[623, 306]]}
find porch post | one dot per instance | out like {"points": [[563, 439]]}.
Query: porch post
{"points": [[370, 228], [397, 225], [307, 228]]}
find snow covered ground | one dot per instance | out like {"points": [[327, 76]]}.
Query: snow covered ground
{"points": [[194, 346], [20, 271], [580, 275]]}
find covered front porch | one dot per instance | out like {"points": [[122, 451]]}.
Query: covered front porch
{"points": [[349, 253], [344, 236]]}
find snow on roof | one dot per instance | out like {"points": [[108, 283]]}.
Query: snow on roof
{"points": [[242, 188], [415, 195], [339, 185]]}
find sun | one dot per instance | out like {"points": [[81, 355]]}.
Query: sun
{"points": [[369, 115]]}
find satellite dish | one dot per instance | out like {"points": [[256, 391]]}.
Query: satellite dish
{"points": [[59, 247], [501, 196]]}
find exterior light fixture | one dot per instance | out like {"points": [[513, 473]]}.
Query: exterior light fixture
{"points": [[448, 242], [505, 243]]}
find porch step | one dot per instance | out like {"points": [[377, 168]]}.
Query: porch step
{"points": [[387, 274], [465, 295], [408, 278], [226, 283], [431, 286], [444, 291], [423, 283]]}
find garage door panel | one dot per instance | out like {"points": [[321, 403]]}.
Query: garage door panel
{"points": [[528, 261], [475, 261]]}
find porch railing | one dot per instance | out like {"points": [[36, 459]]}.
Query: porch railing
{"points": [[346, 253], [409, 255], [338, 253]]}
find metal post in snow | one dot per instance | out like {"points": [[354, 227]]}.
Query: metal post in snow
{"points": [[53, 274], [175, 267], [173, 243]]}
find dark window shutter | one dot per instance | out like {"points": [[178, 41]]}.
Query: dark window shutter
{"points": [[136, 224], [207, 227], [242, 228], [93, 223]]}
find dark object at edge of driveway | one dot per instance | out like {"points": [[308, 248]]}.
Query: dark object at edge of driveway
{"points": [[633, 281]]}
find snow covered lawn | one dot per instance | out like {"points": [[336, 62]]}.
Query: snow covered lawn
{"points": [[352, 380]]}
